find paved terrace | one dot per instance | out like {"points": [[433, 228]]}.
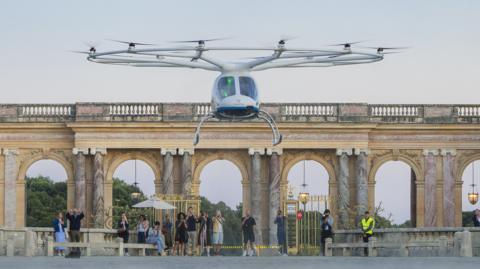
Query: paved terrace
{"points": [[282, 112], [237, 262]]}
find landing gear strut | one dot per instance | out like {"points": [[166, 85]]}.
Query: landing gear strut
{"points": [[277, 137]]}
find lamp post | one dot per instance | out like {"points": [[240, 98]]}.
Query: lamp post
{"points": [[135, 195], [303, 197], [473, 196]]}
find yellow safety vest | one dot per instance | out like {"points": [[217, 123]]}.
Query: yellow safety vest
{"points": [[368, 225]]}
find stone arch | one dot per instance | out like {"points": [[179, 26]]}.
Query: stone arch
{"points": [[461, 166], [309, 157], [417, 215], [23, 168], [238, 162], [121, 158]]}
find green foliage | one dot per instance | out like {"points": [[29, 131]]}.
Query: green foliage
{"points": [[45, 199], [467, 218], [232, 228], [123, 202]]}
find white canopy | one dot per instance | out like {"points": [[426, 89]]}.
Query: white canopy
{"points": [[154, 202]]}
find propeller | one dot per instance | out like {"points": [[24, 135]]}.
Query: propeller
{"points": [[92, 46], [347, 45], [131, 45], [201, 42], [382, 49], [284, 39]]}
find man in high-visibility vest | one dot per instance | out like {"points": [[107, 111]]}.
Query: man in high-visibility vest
{"points": [[367, 224]]}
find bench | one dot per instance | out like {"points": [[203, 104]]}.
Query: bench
{"points": [[347, 247], [118, 245]]}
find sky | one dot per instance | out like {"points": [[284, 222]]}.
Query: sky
{"points": [[441, 65]]}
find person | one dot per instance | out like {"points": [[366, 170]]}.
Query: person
{"points": [[146, 226], [156, 238], [191, 231], [248, 225], [141, 232], [217, 221], [326, 232], [167, 232], [205, 234], [123, 230], [367, 224], [59, 228], [281, 222], [75, 217], [181, 236], [327, 214], [476, 218]]}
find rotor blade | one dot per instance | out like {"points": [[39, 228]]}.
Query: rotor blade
{"points": [[136, 43], [92, 44], [287, 38], [386, 48], [77, 51], [348, 43], [201, 40]]}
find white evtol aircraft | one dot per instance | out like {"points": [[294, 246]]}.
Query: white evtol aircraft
{"points": [[235, 95]]}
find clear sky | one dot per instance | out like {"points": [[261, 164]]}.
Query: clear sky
{"points": [[440, 67]]}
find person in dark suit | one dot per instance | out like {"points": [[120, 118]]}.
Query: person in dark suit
{"points": [[75, 217], [476, 218]]}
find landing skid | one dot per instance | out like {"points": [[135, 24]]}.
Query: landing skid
{"points": [[277, 137]]}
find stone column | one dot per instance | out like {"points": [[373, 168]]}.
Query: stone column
{"points": [[274, 192], [430, 187], [186, 171], [361, 182], [448, 156], [256, 191], [98, 187], [167, 173], [11, 175], [80, 178], [413, 198], [343, 188]]}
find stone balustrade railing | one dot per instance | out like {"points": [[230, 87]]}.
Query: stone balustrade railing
{"points": [[282, 112], [16, 241]]}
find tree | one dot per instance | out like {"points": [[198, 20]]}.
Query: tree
{"points": [[232, 228], [467, 218], [45, 199]]}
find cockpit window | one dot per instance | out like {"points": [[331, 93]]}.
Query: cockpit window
{"points": [[247, 87], [226, 87]]}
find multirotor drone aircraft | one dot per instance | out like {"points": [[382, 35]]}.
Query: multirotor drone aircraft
{"points": [[235, 95]]}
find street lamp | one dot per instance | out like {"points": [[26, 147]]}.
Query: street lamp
{"points": [[303, 196], [473, 196], [135, 195]]}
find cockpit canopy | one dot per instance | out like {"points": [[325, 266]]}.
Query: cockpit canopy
{"points": [[232, 85]]}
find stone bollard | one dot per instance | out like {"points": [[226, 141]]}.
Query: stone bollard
{"points": [[29, 243], [11, 245], [462, 244], [372, 247], [328, 247], [50, 246], [119, 241], [443, 244]]}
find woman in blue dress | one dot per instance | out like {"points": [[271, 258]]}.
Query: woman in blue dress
{"points": [[59, 228]]}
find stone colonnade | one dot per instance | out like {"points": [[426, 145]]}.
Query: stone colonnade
{"points": [[436, 181]]}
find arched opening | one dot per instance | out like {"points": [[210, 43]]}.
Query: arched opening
{"points": [[221, 188], [46, 192], [470, 176], [316, 178], [395, 195], [131, 176]]}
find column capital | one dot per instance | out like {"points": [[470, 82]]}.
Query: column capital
{"points": [[190, 151], [347, 151], [164, 151], [76, 151], [102, 151], [445, 152], [433, 152], [252, 151], [366, 151], [278, 151], [9, 152]]}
